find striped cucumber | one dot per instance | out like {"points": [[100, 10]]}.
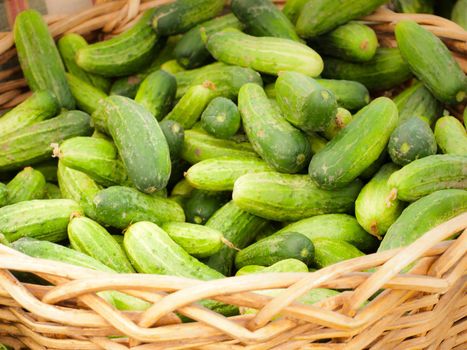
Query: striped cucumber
{"points": [[342, 118], [175, 136], [221, 118], [88, 98], [202, 205], [331, 251], [450, 136], [52, 191], [350, 95], [28, 184]]}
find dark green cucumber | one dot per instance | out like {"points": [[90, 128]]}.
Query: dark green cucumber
{"points": [[202, 205], [263, 18], [411, 140], [292, 9], [28, 184], [286, 265], [431, 62], [43, 69], [48, 168], [429, 174], [120, 206], [331, 251], [459, 13], [175, 135], [52, 191], [124, 54], [157, 93], [385, 70], [358, 145], [451, 136], [44, 219], [350, 95], [285, 197], [3, 195], [321, 16], [31, 144], [140, 143], [317, 142], [264, 127], [413, 6], [221, 118], [36, 108], [342, 118], [68, 46], [353, 42], [423, 215], [88, 97]]}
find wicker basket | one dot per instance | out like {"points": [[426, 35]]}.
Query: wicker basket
{"points": [[425, 308]]}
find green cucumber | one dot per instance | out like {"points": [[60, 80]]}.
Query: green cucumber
{"points": [[31, 144], [384, 71], [157, 93], [52, 191], [331, 251], [353, 42], [292, 9], [450, 136], [423, 215], [88, 97], [317, 142], [373, 210], [28, 184], [305, 103], [286, 197], [263, 18], [356, 147], [373, 168], [431, 62], [44, 219], [39, 106], [429, 174], [119, 240], [413, 6], [342, 118], [43, 69], [270, 250], [350, 95], [124, 54], [90, 238], [249, 269], [3, 195], [48, 168], [459, 13], [221, 118], [270, 91], [172, 67], [119, 206], [182, 188], [286, 265], [411, 140], [220, 174], [202, 205], [264, 127], [175, 136]]}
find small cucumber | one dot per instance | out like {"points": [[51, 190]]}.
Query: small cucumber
{"points": [[3, 195], [202, 205], [175, 136], [88, 98], [172, 67], [459, 13], [331, 251], [292, 9], [182, 188], [28, 184], [52, 191], [317, 142], [119, 240], [221, 118], [342, 118], [350, 95], [48, 168], [286, 265], [450, 136], [285, 197]]}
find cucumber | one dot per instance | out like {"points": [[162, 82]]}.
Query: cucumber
{"points": [[423, 215], [321, 16], [3, 195], [270, 91], [140, 143], [172, 67], [411, 140], [373, 210], [200, 146], [197, 240], [317, 142], [429, 174], [182, 188], [181, 15], [285, 197], [122, 55], [384, 71], [305, 103], [175, 136], [202, 205], [413, 6], [90, 238], [342, 118], [48, 168], [31, 144], [264, 127], [249, 269], [350, 95], [374, 167], [119, 240], [44, 219], [43, 69], [331, 251], [450, 136], [157, 93], [39, 106], [292, 9], [270, 250], [68, 46], [220, 174], [28, 184], [263, 18], [119, 206], [286, 265], [353, 42], [88, 98], [52, 191], [459, 13], [431, 62], [358, 145], [221, 118], [151, 250]]}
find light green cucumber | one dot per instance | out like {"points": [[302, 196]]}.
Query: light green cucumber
{"points": [[28, 184], [52, 191], [350, 95], [286, 265], [450, 136], [48, 168], [342, 118], [87, 96], [331, 251], [317, 142], [3, 194]]}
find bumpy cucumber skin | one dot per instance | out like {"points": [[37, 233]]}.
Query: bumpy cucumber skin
{"points": [[52, 191], [87, 97], [342, 118], [202, 205], [3, 195], [264, 54], [384, 71], [151, 250], [423, 215], [331, 251], [285, 197], [44, 219], [459, 13], [373, 210], [350, 95], [264, 126], [28, 184], [43, 69], [358, 145], [175, 136], [147, 162], [36, 108], [429, 174], [431, 62], [221, 118], [411, 140], [450, 136], [120, 206], [31, 144]]}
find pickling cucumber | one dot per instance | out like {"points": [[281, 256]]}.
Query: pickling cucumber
{"points": [[202, 205], [52, 191], [48, 168], [331, 251], [286, 265], [221, 118], [28, 184], [175, 136], [350, 95], [87, 97], [450, 136], [317, 142], [413, 6], [342, 118]]}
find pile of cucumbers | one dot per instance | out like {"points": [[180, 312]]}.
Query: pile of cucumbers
{"points": [[203, 145]]}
